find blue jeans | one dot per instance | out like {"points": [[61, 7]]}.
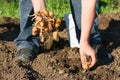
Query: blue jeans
{"points": [[25, 38], [76, 12]]}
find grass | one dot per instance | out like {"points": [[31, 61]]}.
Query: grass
{"points": [[59, 7], [9, 9], [109, 6]]}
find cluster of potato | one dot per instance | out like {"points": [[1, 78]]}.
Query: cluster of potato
{"points": [[45, 22]]}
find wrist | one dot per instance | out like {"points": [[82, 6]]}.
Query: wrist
{"points": [[38, 5], [84, 42], [38, 10]]}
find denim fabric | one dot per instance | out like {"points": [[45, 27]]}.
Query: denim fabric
{"points": [[25, 38], [76, 12]]}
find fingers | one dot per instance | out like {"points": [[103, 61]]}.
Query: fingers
{"points": [[92, 60], [38, 19], [82, 57]]}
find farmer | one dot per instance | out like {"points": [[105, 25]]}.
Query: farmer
{"points": [[86, 24], [85, 19]]}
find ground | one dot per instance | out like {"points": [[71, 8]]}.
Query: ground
{"points": [[61, 62]]}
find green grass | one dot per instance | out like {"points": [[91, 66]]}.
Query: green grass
{"points": [[109, 6], [59, 7], [9, 9]]}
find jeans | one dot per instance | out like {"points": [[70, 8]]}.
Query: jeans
{"points": [[95, 37], [25, 38]]}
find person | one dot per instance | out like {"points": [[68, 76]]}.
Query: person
{"points": [[85, 19], [86, 26]]}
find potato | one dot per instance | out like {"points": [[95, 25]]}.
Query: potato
{"points": [[58, 20], [51, 14], [57, 25], [56, 36], [34, 31]]}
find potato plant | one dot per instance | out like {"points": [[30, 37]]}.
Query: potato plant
{"points": [[45, 22]]}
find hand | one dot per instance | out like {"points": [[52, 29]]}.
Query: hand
{"points": [[38, 18], [86, 49]]}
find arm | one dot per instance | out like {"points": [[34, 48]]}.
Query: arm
{"points": [[38, 5], [87, 18]]}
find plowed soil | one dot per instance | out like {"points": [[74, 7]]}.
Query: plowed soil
{"points": [[60, 62]]}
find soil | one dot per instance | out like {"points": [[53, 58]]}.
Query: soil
{"points": [[61, 62]]}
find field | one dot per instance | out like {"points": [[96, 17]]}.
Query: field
{"points": [[61, 62]]}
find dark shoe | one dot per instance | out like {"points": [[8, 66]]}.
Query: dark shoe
{"points": [[25, 54], [103, 57], [102, 54]]}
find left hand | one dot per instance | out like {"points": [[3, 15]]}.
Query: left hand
{"points": [[86, 49]]}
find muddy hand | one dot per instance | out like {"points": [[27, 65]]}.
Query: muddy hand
{"points": [[87, 62], [87, 56]]}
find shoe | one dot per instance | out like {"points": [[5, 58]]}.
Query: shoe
{"points": [[102, 54], [25, 54]]}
